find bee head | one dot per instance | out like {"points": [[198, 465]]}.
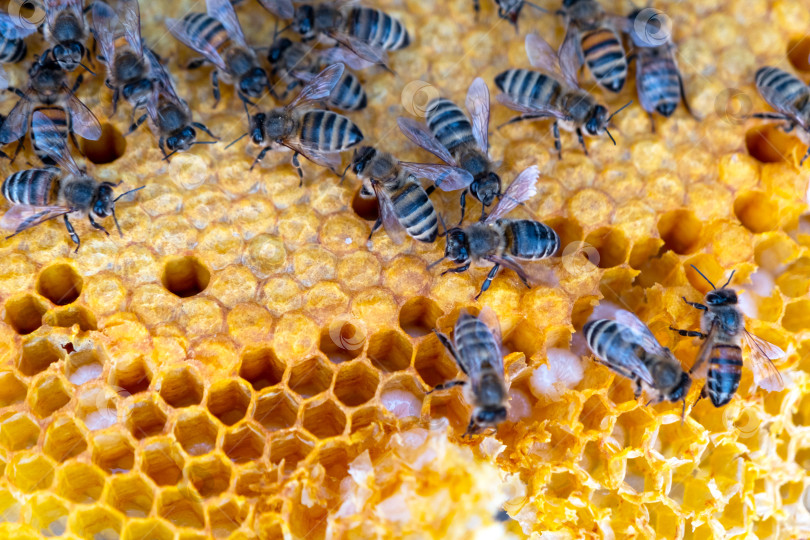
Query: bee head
{"points": [[254, 83], [103, 201], [68, 55], [682, 388], [486, 189], [721, 297], [457, 249], [278, 49], [597, 120], [489, 417], [362, 157], [304, 22], [181, 140]]}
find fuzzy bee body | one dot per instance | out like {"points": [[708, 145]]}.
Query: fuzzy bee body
{"points": [[658, 80], [42, 136], [34, 187], [376, 27], [790, 97], [66, 31], [328, 131]]}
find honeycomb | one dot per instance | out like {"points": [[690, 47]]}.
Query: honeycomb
{"points": [[241, 364]]}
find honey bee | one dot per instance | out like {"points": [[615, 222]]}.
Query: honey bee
{"points": [[128, 71], [295, 63], [404, 203], [790, 97], [66, 30], [658, 79], [39, 195], [13, 31], [509, 9], [218, 36], [544, 95], [365, 31], [452, 138], [502, 242], [592, 38], [47, 87], [627, 347], [723, 331], [476, 348], [318, 135]]}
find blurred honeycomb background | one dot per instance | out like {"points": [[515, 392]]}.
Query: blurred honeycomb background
{"points": [[243, 365]]}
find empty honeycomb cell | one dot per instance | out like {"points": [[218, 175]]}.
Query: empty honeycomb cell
{"points": [[611, 245], [37, 355], [24, 313], [569, 231], [12, 389], [355, 384], [113, 452], [228, 400], [324, 419], [523, 338], [10, 507], [310, 377], [801, 411], [59, 283], [196, 432], [154, 529], [595, 414], [110, 146], [185, 276], [162, 461], [83, 366], [798, 53], [366, 416], [48, 514], [49, 394], [768, 143], [289, 448], [756, 211], [794, 281], [67, 316], [244, 442], [434, 363], [797, 316], [210, 475], [365, 207], [418, 316], [680, 230], [130, 494], [389, 351], [29, 471], [261, 367], [638, 475], [226, 517], [342, 341], [64, 439], [96, 522], [275, 409], [132, 376], [249, 479], [18, 431], [145, 418], [80, 482], [181, 387]]}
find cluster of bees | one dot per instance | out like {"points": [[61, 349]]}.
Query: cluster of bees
{"points": [[306, 125]]}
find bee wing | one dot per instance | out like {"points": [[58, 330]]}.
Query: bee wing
{"points": [[53, 7], [394, 229], [16, 123], [3, 78], [538, 110], [222, 10], [82, 119], [22, 216], [421, 137], [18, 27], [541, 55], [445, 177], [646, 337], [198, 43], [762, 354], [477, 104], [570, 57], [471, 364], [488, 316], [132, 24], [320, 87], [701, 366], [626, 361], [370, 53], [56, 147], [105, 25], [314, 154], [283, 9], [334, 55], [520, 190]]}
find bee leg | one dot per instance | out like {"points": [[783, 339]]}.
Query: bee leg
{"points": [[471, 429], [116, 95], [20, 145], [16, 91], [377, 225], [488, 281], [72, 233], [582, 141], [78, 83], [162, 146], [463, 205], [806, 154], [202, 127], [652, 122], [555, 129], [696, 305], [136, 124], [445, 386], [215, 84], [297, 164], [260, 156], [689, 333], [97, 226], [196, 63], [457, 270]]}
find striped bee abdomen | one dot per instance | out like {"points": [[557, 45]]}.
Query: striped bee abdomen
{"points": [[12, 50], [528, 87], [602, 335], [659, 81], [348, 94], [42, 137], [34, 187], [206, 31], [605, 57], [725, 371], [376, 27], [329, 131], [449, 124], [781, 89], [416, 213], [529, 239], [474, 340]]}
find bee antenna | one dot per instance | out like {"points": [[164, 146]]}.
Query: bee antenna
{"points": [[611, 136], [620, 109], [170, 154], [444, 227], [434, 263], [128, 192], [343, 176], [707, 279], [535, 6], [117, 226], [242, 136], [729, 279], [88, 70], [683, 411]]}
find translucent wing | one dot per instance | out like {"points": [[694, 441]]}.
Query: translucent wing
{"points": [[538, 110], [314, 154], [626, 360], [198, 43], [16, 123], [520, 190], [15, 27], [82, 119], [131, 12], [488, 316], [222, 10], [511, 264], [320, 87], [334, 55], [421, 137], [56, 147], [541, 55], [701, 366], [762, 354], [393, 227], [445, 177], [570, 57], [283, 9], [22, 216], [165, 84], [105, 26], [370, 53], [645, 337], [478, 105], [3, 78]]}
